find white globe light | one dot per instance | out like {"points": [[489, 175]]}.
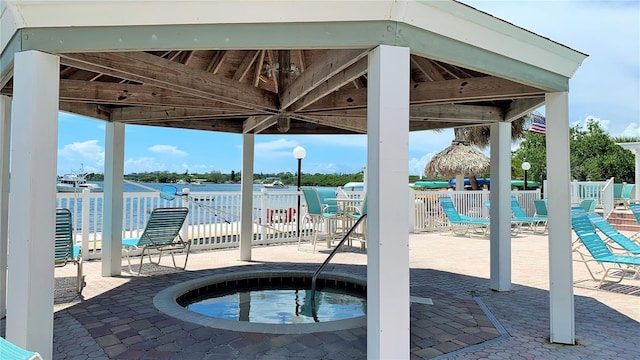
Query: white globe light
{"points": [[299, 152], [526, 166]]}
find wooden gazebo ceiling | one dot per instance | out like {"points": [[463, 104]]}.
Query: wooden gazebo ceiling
{"points": [[274, 91]]}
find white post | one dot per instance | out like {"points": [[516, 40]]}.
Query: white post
{"points": [[5, 143], [562, 317], [246, 189], [388, 171], [34, 134], [112, 206], [500, 213], [637, 174]]}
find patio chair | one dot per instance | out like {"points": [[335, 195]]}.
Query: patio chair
{"points": [[597, 249], [589, 205], [635, 210], [458, 220], [625, 196], [355, 213], [10, 351], [65, 250], [328, 201], [621, 242], [516, 224], [541, 207], [317, 215], [532, 221], [161, 233]]}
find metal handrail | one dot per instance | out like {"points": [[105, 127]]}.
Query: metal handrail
{"points": [[326, 261]]}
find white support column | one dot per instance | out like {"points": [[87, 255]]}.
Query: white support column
{"points": [[246, 217], [637, 174], [5, 143], [112, 206], [500, 213], [562, 317], [34, 134], [388, 171]]}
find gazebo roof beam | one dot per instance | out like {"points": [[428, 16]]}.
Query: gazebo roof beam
{"points": [[146, 68]]}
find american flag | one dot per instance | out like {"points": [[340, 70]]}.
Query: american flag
{"points": [[539, 125]]}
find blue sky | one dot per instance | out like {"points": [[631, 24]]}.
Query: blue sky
{"points": [[605, 88]]}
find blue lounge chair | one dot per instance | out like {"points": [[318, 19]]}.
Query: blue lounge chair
{"points": [[10, 351], [596, 247], [589, 205], [458, 220], [65, 250], [622, 242], [516, 224], [541, 207], [316, 214], [161, 233], [533, 222], [635, 210]]}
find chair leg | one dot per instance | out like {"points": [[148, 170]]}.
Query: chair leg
{"points": [[79, 275]]}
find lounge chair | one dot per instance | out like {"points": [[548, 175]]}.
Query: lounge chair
{"points": [[541, 207], [10, 351], [589, 205], [316, 214], [621, 241], [635, 210], [162, 233], [532, 221], [355, 213], [459, 221], [625, 196], [597, 249], [65, 250]]}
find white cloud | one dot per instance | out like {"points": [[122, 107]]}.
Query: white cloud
{"points": [[604, 124], [632, 130], [276, 148], [416, 165], [87, 153], [167, 149]]}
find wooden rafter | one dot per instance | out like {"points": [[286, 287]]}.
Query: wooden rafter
{"points": [[245, 66], [155, 71], [427, 68], [135, 114], [257, 124], [521, 107], [332, 63]]}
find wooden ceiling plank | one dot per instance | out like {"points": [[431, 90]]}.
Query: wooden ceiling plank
{"points": [[472, 89], [358, 125], [265, 125], [456, 112], [521, 107], [155, 71], [427, 68], [258, 68], [332, 63], [93, 111], [245, 66], [133, 94], [301, 61], [334, 83], [135, 113], [272, 62], [258, 122]]}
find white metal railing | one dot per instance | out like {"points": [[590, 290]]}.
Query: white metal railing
{"points": [[214, 217]]}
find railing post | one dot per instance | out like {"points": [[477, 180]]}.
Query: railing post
{"points": [[412, 210], [85, 220], [263, 211]]}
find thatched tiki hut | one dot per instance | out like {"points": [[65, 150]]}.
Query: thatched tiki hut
{"points": [[457, 160]]}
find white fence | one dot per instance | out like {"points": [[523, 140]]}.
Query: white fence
{"points": [[428, 216], [214, 217]]}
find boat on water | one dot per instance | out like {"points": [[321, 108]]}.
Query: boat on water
{"points": [[197, 182], [75, 183], [274, 183]]}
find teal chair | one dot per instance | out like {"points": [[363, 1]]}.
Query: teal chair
{"points": [[10, 351], [328, 200], [460, 221], [625, 196], [621, 242], [355, 213], [597, 250], [589, 205], [161, 233], [316, 214], [533, 222], [541, 207], [65, 251]]}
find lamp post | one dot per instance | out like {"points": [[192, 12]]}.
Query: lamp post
{"points": [[525, 166], [299, 153]]}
